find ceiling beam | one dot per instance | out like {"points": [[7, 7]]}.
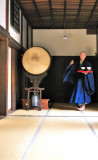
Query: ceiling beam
{"points": [[64, 14], [79, 10], [51, 13], [92, 12], [37, 12]]}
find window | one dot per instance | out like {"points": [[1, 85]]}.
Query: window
{"points": [[15, 15]]}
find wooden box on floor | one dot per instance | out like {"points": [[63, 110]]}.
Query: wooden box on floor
{"points": [[44, 103]]}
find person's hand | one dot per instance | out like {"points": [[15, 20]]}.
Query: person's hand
{"points": [[72, 62], [85, 73]]}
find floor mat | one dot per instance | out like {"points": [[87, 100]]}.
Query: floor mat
{"points": [[66, 138], [15, 135]]}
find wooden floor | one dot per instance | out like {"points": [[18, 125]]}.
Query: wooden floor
{"points": [[60, 133]]}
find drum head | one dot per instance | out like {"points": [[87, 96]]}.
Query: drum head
{"points": [[36, 60]]}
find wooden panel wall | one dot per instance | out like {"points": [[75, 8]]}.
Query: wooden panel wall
{"points": [[53, 83]]}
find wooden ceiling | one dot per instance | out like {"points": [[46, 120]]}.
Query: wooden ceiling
{"points": [[61, 14]]}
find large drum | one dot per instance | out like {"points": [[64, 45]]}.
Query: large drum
{"points": [[36, 60]]}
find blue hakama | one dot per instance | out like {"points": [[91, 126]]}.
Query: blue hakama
{"points": [[79, 94]]}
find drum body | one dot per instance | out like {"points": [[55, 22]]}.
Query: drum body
{"points": [[36, 61]]}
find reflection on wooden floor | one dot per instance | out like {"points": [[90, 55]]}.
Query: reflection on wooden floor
{"points": [[60, 133]]}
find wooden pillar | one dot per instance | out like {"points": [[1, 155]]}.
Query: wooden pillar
{"points": [[97, 41], [13, 89], [3, 75], [4, 39]]}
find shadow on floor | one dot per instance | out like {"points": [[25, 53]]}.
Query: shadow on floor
{"points": [[68, 106]]}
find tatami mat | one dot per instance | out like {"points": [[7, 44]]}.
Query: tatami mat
{"points": [[93, 121], [21, 112], [15, 135], [91, 110], [61, 133], [65, 139], [64, 110]]}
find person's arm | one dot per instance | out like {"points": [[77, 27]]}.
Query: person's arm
{"points": [[69, 65], [72, 62], [68, 75]]}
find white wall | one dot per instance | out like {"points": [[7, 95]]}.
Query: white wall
{"points": [[14, 34], [3, 13], [52, 40], [9, 78], [24, 32]]}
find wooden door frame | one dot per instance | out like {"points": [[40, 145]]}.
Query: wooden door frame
{"points": [[13, 88]]}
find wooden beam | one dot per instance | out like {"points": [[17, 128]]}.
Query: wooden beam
{"points": [[14, 44], [79, 10], [51, 13], [37, 12], [7, 15], [91, 30], [4, 34], [92, 12]]}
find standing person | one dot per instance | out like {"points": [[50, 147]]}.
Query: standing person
{"points": [[81, 75]]}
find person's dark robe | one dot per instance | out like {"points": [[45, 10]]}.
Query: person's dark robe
{"points": [[83, 84]]}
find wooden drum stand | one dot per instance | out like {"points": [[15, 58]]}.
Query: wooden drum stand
{"points": [[34, 89]]}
